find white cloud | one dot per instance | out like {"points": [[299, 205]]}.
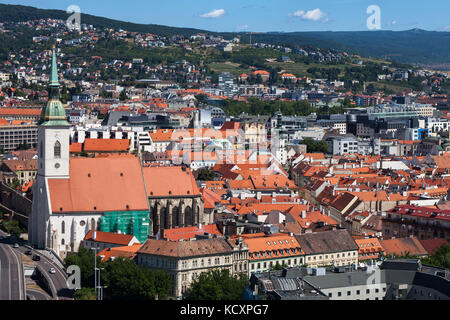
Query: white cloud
{"points": [[447, 28], [393, 22], [298, 13], [312, 15], [213, 14]]}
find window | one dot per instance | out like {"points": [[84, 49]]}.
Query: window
{"points": [[358, 292], [368, 291], [349, 293], [330, 295], [63, 227], [339, 294], [57, 150]]}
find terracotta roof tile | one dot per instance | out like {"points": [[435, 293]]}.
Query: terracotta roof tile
{"points": [[99, 185]]}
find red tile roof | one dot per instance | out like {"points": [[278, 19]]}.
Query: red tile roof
{"points": [[109, 237], [401, 246], [20, 112], [431, 245], [128, 252], [100, 185], [190, 232], [106, 145], [170, 181]]}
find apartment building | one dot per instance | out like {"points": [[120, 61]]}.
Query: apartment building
{"points": [[186, 260], [422, 222], [266, 251], [328, 248], [11, 136]]}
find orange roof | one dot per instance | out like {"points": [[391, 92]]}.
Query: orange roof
{"points": [[109, 237], [369, 245], [190, 232], [20, 111], [273, 246], [240, 184], [127, 252], [106, 145], [100, 185], [170, 181], [76, 147], [401, 246], [161, 135], [271, 182], [210, 197], [311, 217], [261, 72]]}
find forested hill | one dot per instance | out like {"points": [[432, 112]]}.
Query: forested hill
{"points": [[18, 13], [411, 46]]}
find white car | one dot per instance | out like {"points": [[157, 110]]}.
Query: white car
{"points": [[52, 271]]}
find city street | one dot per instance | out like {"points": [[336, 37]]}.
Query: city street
{"points": [[11, 276]]}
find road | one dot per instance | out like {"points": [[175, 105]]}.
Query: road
{"points": [[12, 285], [10, 271], [37, 295]]}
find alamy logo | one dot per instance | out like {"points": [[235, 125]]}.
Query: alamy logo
{"points": [[74, 21], [74, 280], [374, 20]]}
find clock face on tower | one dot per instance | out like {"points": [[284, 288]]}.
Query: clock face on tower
{"points": [[57, 165]]}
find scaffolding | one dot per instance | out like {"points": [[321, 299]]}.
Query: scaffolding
{"points": [[136, 223]]}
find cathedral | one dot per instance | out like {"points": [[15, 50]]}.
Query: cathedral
{"points": [[112, 193]]}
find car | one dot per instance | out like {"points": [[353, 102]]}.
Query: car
{"points": [[52, 271], [16, 245], [28, 253], [36, 258]]}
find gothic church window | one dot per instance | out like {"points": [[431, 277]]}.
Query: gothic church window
{"points": [[57, 150]]}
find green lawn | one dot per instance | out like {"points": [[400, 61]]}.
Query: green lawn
{"points": [[233, 68], [395, 86]]}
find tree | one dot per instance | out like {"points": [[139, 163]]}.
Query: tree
{"points": [[15, 184], [278, 267], [206, 174], [23, 146], [217, 285], [123, 95], [440, 258], [12, 227], [85, 260], [316, 146], [125, 280], [85, 294], [201, 98]]}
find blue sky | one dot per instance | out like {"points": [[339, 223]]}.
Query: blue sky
{"points": [[265, 15]]}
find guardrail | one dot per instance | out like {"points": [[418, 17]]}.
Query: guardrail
{"points": [[48, 282], [57, 257]]}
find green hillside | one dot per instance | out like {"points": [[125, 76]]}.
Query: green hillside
{"points": [[412, 46]]}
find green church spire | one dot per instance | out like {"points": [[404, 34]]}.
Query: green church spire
{"points": [[54, 79], [53, 114]]}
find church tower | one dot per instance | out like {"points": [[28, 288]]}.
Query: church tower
{"points": [[53, 133], [53, 161]]}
